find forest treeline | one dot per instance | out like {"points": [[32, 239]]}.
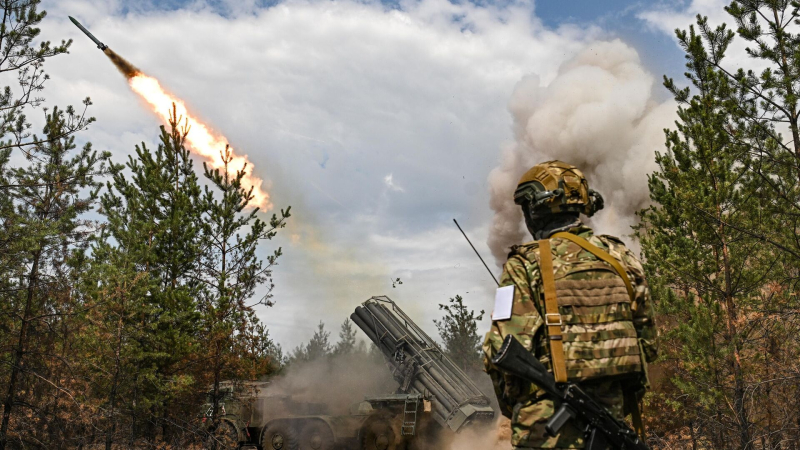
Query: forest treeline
{"points": [[457, 328], [127, 290]]}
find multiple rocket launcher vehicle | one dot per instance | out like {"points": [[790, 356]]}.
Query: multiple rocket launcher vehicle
{"points": [[434, 398]]}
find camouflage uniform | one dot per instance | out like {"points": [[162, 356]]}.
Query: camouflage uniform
{"points": [[587, 353]]}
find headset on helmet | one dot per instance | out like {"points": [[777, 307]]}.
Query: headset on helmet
{"points": [[554, 187]]}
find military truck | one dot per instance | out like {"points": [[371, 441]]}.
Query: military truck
{"points": [[434, 396]]}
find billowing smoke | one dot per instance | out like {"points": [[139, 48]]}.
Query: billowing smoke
{"points": [[340, 382], [599, 114], [336, 382]]}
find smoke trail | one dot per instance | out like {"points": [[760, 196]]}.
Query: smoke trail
{"points": [[127, 69], [598, 114], [364, 277]]}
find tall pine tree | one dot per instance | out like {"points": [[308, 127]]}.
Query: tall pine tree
{"points": [[458, 329], [44, 225], [231, 271], [347, 339], [153, 209], [718, 240]]}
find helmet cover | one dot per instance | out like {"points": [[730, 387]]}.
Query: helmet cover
{"points": [[554, 187]]}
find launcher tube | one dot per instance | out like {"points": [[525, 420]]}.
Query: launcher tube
{"points": [[440, 377], [455, 399], [436, 377], [428, 381]]}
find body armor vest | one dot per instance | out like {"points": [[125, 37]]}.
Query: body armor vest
{"points": [[597, 332]]}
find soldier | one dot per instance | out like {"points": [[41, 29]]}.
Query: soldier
{"points": [[578, 301]]}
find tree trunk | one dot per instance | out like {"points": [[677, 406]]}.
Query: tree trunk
{"points": [[738, 376], [215, 409], [114, 386]]}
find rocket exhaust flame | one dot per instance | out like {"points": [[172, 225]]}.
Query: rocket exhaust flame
{"points": [[201, 139]]}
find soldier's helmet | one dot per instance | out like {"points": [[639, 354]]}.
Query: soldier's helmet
{"points": [[554, 187]]}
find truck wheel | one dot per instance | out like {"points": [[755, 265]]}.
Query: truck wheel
{"points": [[223, 436], [316, 435], [279, 435], [378, 435]]}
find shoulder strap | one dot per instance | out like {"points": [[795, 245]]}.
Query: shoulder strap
{"points": [[601, 254], [552, 317]]}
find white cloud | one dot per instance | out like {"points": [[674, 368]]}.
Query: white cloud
{"points": [[391, 184], [326, 98], [667, 17]]}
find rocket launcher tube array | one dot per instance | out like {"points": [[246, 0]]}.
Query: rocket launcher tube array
{"points": [[416, 384], [457, 377], [458, 406], [430, 383], [456, 401], [453, 383], [446, 383], [386, 343]]}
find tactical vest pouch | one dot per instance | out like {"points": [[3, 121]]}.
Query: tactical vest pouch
{"points": [[598, 335]]}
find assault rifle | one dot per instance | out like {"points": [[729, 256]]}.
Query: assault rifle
{"points": [[603, 431]]}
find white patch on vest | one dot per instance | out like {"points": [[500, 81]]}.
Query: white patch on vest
{"points": [[503, 303]]}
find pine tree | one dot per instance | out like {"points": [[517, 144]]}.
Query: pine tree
{"points": [[231, 272], [713, 244], [21, 56], [40, 205], [114, 291], [261, 357], [347, 339], [319, 347], [765, 116], [458, 329], [45, 228], [153, 211]]}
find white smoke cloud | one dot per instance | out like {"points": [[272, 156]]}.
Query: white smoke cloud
{"points": [[599, 114]]}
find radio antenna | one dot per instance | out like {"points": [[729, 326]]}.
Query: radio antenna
{"points": [[476, 252]]}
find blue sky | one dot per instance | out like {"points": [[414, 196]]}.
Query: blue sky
{"points": [[619, 17], [380, 124]]}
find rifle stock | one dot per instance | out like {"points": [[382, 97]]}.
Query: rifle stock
{"points": [[602, 429]]}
